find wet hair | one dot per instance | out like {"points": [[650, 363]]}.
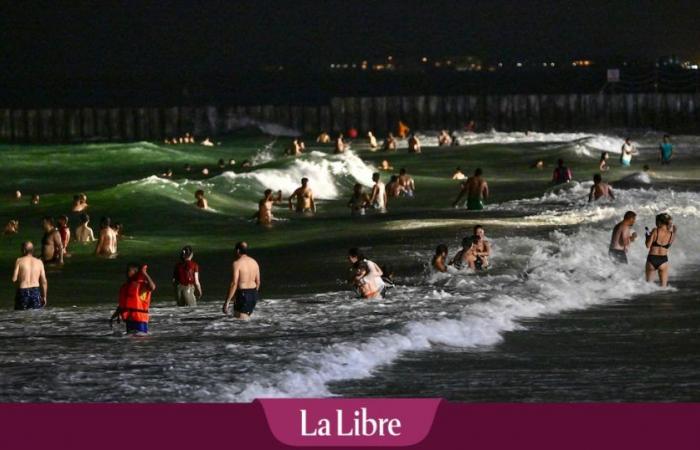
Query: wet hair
{"points": [[603, 156], [105, 222], [27, 248], [267, 192], [222, 162], [478, 172], [478, 227], [242, 248], [356, 253], [186, 252], [48, 219], [442, 248], [630, 215], [376, 176], [402, 171], [84, 218], [304, 180], [357, 188], [597, 178], [467, 242], [63, 218], [199, 193], [663, 219]]}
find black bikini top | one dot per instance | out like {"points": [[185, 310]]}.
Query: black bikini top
{"points": [[667, 246]]}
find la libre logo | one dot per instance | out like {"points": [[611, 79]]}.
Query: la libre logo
{"points": [[358, 423]]}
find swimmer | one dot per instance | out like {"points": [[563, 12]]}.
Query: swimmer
{"points": [[188, 168], [167, 174], [340, 146], [626, 153], [64, 231], [539, 165], [135, 299], [207, 142], [444, 139], [378, 197], [659, 241], [372, 141], [18, 195], [394, 188], [374, 272], [403, 129], [30, 279], [406, 181], [323, 138], [365, 284], [186, 279], [561, 174], [622, 237], [389, 143], [83, 233], [603, 163], [231, 162], [221, 163], [439, 261], [79, 203], [205, 172], [600, 189], [107, 241], [359, 201], [245, 284], [459, 260], [482, 247], [200, 200], [304, 198], [666, 150], [458, 174], [476, 189], [264, 215], [35, 200], [385, 166], [51, 243], [12, 227], [414, 144]]}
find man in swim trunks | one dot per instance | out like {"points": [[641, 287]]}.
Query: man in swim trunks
{"points": [[304, 197], [476, 189], [107, 242], [406, 181], [622, 237], [264, 215], [51, 243], [30, 278], [600, 189], [245, 284]]}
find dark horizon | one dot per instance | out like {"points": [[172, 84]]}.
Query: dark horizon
{"points": [[186, 40]]}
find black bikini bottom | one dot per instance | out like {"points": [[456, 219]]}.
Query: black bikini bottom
{"points": [[657, 260]]}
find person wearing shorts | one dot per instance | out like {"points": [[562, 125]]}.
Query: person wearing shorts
{"points": [[186, 279]]}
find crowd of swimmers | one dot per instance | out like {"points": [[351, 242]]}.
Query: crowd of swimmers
{"points": [[188, 138]]}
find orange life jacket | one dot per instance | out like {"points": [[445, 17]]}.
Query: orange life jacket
{"points": [[134, 299]]}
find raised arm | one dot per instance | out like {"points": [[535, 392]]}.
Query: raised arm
{"points": [[650, 238]]}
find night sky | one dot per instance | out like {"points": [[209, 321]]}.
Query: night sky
{"points": [[178, 39]]}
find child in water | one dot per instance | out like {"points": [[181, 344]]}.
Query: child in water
{"points": [[201, 201]]}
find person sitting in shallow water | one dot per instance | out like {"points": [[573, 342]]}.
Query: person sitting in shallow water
{"points": [[12, 227], [83, 233], [439, 261], [264, 215], [200, 200]]}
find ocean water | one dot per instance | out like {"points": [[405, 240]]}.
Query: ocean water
{"points": [[553, 319]]}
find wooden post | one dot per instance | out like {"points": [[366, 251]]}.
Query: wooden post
{"points": [[5, 125], [116, 131], [88, 123], [311, 124], [382, 123], [46, 125]]}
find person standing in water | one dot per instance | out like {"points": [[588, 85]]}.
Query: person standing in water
{"points": [[64, 231], [666, 150], [407, 182], [365, 283], [378, 198], [439, 261], [30, 278], [562, 174], [603, 163], [394, 188], [389, 143], [51, 243], [264, 215], [107, 242], [373, 272], [622, 237], [476, 189], [340, 145], [186, 279], [659, 241], [413, 144], [372, 141], [304, 197], [482, 250], [600, 189], [200, 200], [627, 151], [358, 201], [83, 233], [245, 284], [135, 299]]}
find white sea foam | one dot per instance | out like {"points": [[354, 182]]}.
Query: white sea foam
{"points": [[541, 276]]}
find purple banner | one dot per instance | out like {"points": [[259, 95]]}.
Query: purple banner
{"points": [[423, 424]]}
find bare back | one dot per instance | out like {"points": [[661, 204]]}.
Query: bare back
{"points": [[29, 272], [246, 272]]}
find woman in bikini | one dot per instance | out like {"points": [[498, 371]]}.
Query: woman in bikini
{"points": [[659, 241]]}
